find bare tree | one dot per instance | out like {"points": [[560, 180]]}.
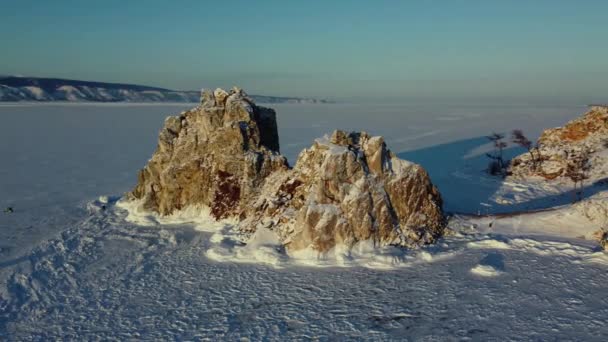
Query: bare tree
{"points": [[520, 139], [497, 165], [577, 170]]}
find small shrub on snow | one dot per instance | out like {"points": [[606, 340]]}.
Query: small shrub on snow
{"points": [[578, 171], [520, 139], [494, 168], [497, 165]]}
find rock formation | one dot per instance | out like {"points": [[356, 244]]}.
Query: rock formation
{"points": [[349, 188], [344, 189], [559, 147], [216, 155]]}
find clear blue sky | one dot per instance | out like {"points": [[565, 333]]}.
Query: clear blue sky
{"points": [[451, 48]]}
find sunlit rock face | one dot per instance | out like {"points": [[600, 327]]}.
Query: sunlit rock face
{"points": [[559, 146], [348, 188], [217, 155], [345, 188]]}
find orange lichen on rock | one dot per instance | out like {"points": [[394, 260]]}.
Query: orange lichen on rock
{"points": [[594, 121], [558, 146], [552, 175]]}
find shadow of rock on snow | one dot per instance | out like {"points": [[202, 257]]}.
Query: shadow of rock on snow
{"points": [[458, 170], [560, 199]]}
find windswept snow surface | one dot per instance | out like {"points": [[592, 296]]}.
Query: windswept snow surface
{"points": [[104, 278], [76, 266]]}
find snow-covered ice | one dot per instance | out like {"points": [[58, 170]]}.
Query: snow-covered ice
{"points": [[75, 264]]}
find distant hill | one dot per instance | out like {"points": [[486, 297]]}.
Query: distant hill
{"points": [[13, 88]]}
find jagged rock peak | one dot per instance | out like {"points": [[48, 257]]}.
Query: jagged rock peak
{"points": [[219, 97], [216, 155], [347, 188]]}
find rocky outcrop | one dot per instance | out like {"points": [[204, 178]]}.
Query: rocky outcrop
{"points": [[559, 147], [344, 189], [348, 188], [216, 155]]}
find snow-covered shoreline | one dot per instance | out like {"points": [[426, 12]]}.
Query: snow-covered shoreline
{"points": [[105, 277], [535, 233]]}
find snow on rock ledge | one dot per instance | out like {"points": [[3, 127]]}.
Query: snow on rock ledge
{"points": [[345, 189]]}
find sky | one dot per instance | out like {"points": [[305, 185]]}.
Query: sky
{"points": [[335, 49]]}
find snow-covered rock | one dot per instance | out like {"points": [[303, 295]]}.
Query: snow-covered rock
{"points": [[216, 155], [349, 188], [558, 147], [581, 144], [345, 189]]}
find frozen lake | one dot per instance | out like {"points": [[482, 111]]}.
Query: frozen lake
{"points": [[80, 150], [102, 278]]}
